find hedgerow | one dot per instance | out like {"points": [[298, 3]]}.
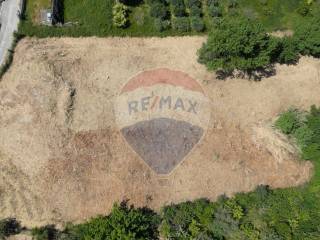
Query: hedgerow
{"points": [[181, 24], [239, 43]]}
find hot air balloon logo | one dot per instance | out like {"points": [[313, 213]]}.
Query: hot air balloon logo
{"points": [[162, 114]]}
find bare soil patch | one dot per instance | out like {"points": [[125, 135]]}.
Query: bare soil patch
{"points": [[63, 157]]}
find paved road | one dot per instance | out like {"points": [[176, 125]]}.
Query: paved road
{"points": [[9, 24]]}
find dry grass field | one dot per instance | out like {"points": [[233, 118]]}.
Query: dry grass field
{"points": [[63, 158]]}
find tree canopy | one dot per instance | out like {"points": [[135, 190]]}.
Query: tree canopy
{"points": [[238, 44]]}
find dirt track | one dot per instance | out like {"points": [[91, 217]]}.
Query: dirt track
{"points": [[63, 157]]}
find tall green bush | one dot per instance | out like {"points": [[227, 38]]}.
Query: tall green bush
{"points": [[123, 223], [238, 44], [288, 122], [120, 13], [197, 24], [181, 24], [307, 36], [289, 52], [159, 10]]}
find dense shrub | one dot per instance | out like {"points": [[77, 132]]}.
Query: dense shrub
{"points": [[213, 2], [191, 3], [288, 122], [9, 226], [48, 232], [131, 2], [304, 8], [161, 25], [182, 221], [150, 2], [232, 3], [159, 10], [181, 24], [214, 11], [123, 223], [238, 44], [197, 24], [195, 11], [288, 52], [120, 12], [179, 10], [307, 35]]}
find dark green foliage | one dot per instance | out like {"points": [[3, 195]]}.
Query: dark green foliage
{"points": [[304, 8], [130, 2], [187, 220], [179, 10], [238, 44], [214, 11], [288, 122], [213, 3], [305, 129], [197, 24], [124, 223], [191, 3], [181, 24], [195, 11], [159, 10], [9, 226], [232, 3], [289, 52], [307, 35], [161, 25], [48, 232]]}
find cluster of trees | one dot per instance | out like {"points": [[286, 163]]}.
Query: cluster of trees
{"points": [[159, 10], [185, 15], [242, 44]]}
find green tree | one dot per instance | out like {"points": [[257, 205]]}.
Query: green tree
{"points": [[238, 44], [307, 35], [123, 223], [289, 52], [120, 12]]}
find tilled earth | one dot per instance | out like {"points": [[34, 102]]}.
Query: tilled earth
{"points": [[63, 157]]}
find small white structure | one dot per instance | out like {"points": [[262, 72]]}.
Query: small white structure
{"points": [[46, 17]]}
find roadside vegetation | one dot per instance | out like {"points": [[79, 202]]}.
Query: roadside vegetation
{"points": [[162, 17], [264, 214]]}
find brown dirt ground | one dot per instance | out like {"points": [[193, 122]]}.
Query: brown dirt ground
{"points": [[62, 157]]}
